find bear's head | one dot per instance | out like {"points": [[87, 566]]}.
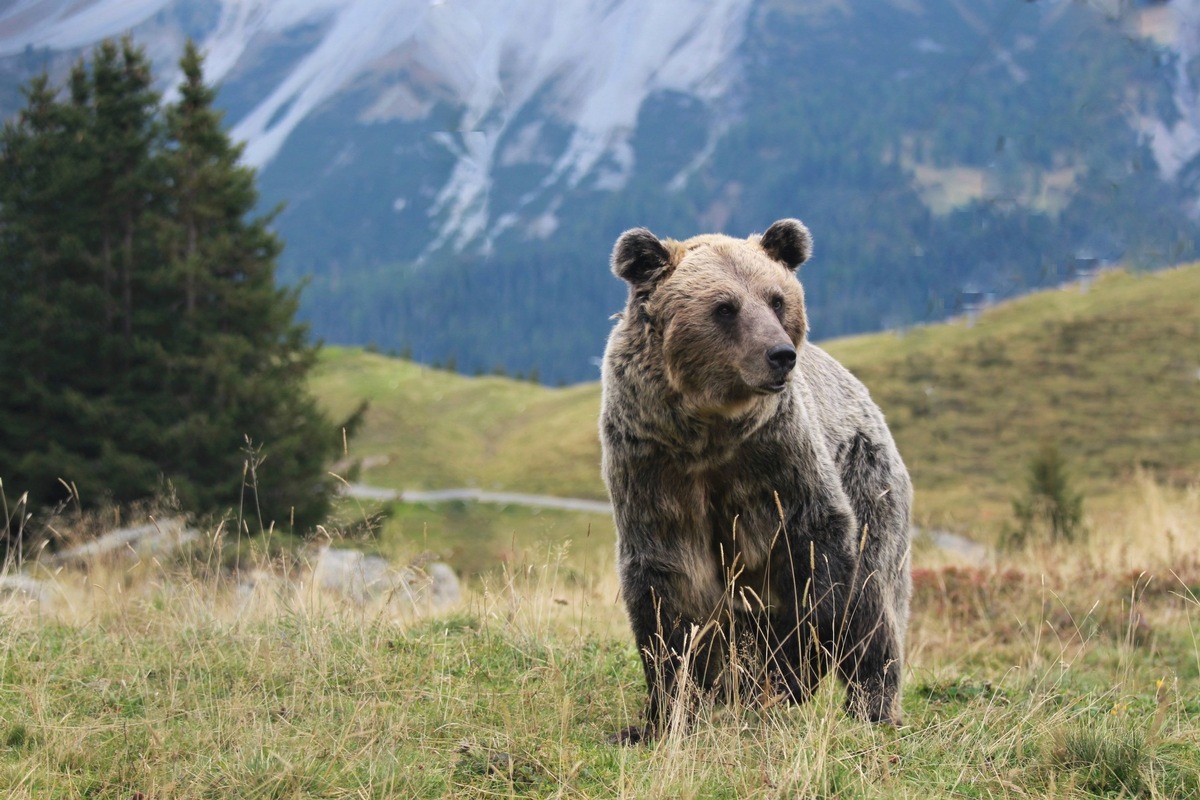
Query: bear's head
{"points": [[728, 314]]}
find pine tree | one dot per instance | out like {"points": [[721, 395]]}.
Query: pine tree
{"points": [[47, 365], [118, 156], [144, 337], [239, 358]]}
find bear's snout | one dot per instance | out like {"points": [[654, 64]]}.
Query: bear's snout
{"points": [[782, 357]]}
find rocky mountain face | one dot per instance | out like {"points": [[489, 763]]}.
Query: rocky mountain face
{"points": [[455, 171]]}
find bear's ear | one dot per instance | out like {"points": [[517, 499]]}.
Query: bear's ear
{"points": [[788, 242], [639, 257]]}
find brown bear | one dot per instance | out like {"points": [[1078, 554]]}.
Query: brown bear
{"points": [[761, 505]]}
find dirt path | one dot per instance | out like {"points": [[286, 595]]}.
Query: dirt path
{"points": [[364, 492], [953, 542]]}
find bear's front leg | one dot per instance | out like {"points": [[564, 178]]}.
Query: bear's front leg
{"points": [[681, 652], [869, 655], [828, 614]]}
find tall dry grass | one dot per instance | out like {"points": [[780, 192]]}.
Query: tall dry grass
{"points": [[1064, 672]]}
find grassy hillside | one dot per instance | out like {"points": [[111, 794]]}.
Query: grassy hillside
{"points": [[163, 679], [1111, 375], [430, 429], [1059, 672]]}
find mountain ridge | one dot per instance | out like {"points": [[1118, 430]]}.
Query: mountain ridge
{"points": [[454, 174], [492, 60]]}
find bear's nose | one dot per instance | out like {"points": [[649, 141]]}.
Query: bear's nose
{"points": [[782, 357]]}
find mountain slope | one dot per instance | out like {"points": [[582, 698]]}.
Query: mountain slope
{"points": [[930, 157], [1111, 375], [456, 172], [429, 429], [491, 63]]}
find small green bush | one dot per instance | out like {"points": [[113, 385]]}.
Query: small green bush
{"points": [[1050, 508]]}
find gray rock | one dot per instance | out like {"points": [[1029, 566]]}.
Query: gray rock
{"points": [[364, 578], [256, 583], [154, 538], [23, 587], [951, 542], [444, 589]]}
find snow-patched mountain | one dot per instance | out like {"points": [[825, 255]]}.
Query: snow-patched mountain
{"points": [[454, 171], [588, 64]]}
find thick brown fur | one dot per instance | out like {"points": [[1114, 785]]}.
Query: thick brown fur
{"points": [[760, 501]]}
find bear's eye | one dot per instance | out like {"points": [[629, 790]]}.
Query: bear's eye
{"points": [[777, 304], [726, 310]]}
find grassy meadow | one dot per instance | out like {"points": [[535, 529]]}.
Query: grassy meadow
{"points": [[1110, 375], [1059, 671]]}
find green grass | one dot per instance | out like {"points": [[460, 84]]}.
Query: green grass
{"points": [[1111, 376], [478, 538], [1057, 672], [430, 429], [165, 681]]}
